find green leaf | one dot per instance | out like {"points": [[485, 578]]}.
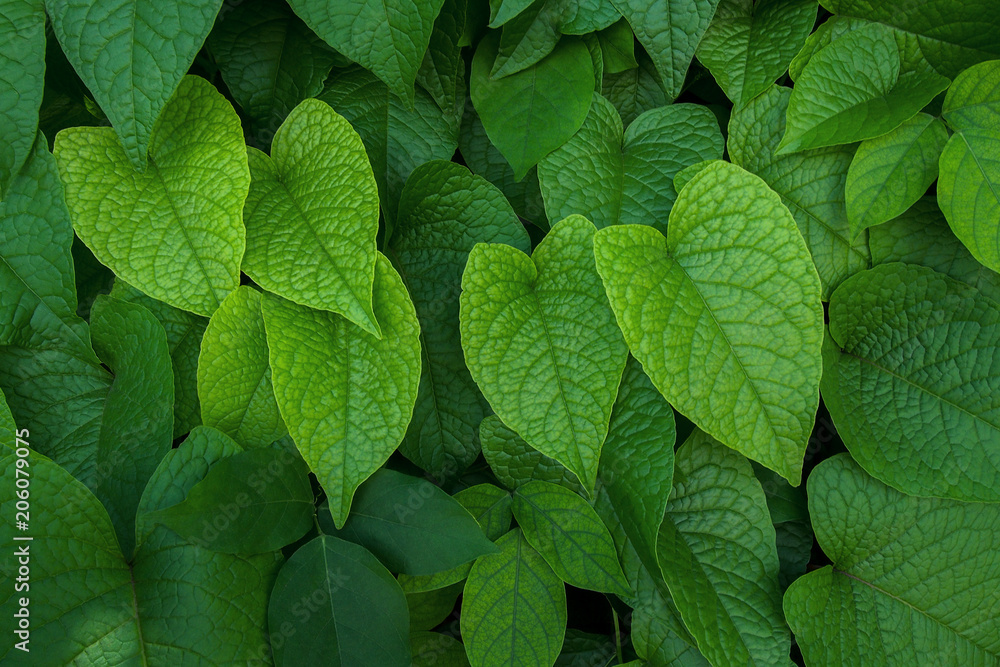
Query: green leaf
{"points": [[397, 139], [345, 396], [922, 236], [39, 301], [137, 422], [234, 376], [433, 649], [826, 32], [491, 507], [570, 536], [442, 73], [184, 335], [270, 61], [612, 178], [618, 47], [314, 202], [670, 32], [749, 44], [637, 462], [529, 114], [101, 608], [790, 516], [412, 526], [950, 35], [22, 70], [515, 462], [484, 159], [856, 88], [810, 183], [387, 37], [343, 579], [908, 382], [913, 580], [691, 307], [717, 555], [444, 211], [176, 230], [553, 377], [634, 91], [969, 186], [513, 608], [428, 609], [251, 502], [891, 172], [133, 55], [8, 430], [534, 32]]}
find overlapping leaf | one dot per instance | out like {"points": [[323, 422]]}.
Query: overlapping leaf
{"points": [[515, 462], [444, 212], [175, 231], [345, 396], [541, 342], [913, 580], [611, 178], [22, 70], [701, 313], [312, 216], [911, 381]]}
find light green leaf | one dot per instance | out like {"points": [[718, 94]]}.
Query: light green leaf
{"points": [[533, 33], [531, 113], [909, 382], [349, 579], [314, 203], [484, 159], [176, 230], [913, 580], [637, 462], [856, 88], [541, 342], [22, 71], [234, 376], [973, 100], [749, 44], [514, 608], [891, 172], [250, 502], [132, 55], [137, 422], [103, 610], [569, 535], [345, 396], [515, 462], [433, 649], [950, 35], [387, 37], [692, 306], [614, 179], [969, 186], [635, 91], [412, 526], [491, 507], [922, 236], [184, 335], [810, 183], [270, 61], [397, 139], [670, 31], [38, 302], [826, 32], [717, 555], [444, 211], [618, 47]]}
